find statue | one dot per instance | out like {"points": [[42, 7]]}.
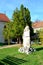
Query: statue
{"points": [[26, 41], [26, 37]]}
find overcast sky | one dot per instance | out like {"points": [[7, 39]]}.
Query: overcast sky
{"points": [[35, 7]]}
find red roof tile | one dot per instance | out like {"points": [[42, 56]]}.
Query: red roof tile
{"points": [[4, 18], [37, 24]]}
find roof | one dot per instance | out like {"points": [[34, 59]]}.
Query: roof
{"points": [[3, 18], [37, 24]]}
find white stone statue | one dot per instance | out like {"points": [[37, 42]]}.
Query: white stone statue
{"points": [[26, 37], [26, 41]]}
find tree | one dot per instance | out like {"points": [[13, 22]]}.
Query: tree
{"points": [[21, 18], [7, 32]]}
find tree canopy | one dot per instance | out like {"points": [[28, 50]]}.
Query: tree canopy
{"points": [[21, 18]]}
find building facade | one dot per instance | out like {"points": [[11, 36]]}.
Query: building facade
{"points": [[3, 20], [37, 26]]}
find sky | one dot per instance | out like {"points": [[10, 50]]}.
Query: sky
{"points": [[35, 7]]}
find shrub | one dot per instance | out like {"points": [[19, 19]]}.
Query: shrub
{"points": [[40, 35]]}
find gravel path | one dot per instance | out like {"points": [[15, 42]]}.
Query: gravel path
{"points": [[8, 46]]}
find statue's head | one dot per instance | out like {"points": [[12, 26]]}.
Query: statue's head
{"points": [[26, 28]]}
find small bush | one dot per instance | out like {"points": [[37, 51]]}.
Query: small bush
{"points": [[40, 36]]}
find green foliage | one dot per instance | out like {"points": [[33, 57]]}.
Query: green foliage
{"points": [[8, 32], [40, 35], [21, 18]]}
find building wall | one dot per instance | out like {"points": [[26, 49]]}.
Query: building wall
{"points": [[37, 29], [1, 32]]}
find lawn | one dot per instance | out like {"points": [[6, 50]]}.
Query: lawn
{"points": [[11, 56]]}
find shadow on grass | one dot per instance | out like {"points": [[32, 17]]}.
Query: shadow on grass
{"points": [[12, 61], [3, 44], [38, 49]]}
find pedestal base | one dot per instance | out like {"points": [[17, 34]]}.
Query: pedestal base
{"points": [[26, 50]]}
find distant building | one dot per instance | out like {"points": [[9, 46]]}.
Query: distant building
{"points": [[37, 26], [3, 19]]}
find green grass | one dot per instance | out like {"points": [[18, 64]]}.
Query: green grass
{"points": [[11, 56]]}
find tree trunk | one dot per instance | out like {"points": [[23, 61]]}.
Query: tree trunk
{"points": [[8, 41], [17, 40]]}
